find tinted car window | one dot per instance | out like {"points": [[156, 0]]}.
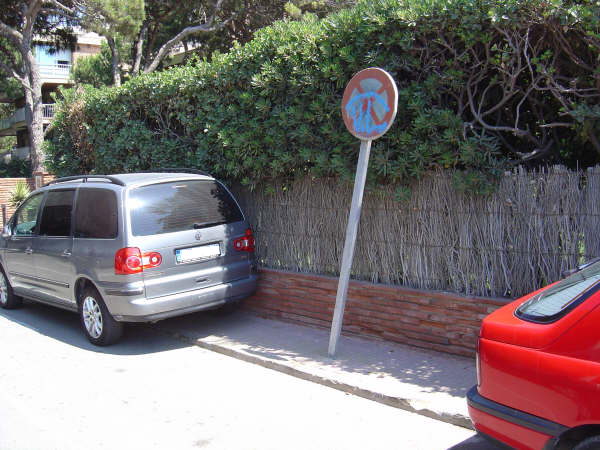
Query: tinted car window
{"points": [[182, 205], [56, 214], [26, 219], [96, 214]]}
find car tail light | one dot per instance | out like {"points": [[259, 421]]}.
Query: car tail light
{"points": [[151, 259], [129, 260], [478, 368], [477, 357], [245, 243]]}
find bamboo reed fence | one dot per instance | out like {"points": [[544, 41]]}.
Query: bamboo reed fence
{"points": [[536, 225]]}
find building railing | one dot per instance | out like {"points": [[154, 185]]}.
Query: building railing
{"points": [[5, 124], [55, 70], [20, 152], [48, 110], [19, 116], [16, 117]]}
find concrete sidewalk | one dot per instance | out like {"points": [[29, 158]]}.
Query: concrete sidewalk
{"points": [[423, 381]]}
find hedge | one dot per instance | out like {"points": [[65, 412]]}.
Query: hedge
{"points": [[483, 84]]}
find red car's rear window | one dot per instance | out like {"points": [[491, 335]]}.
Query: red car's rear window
{"points": [[556, 301]]}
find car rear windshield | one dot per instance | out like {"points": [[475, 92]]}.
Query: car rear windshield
{"points": [[182, 205], [556, 301]]}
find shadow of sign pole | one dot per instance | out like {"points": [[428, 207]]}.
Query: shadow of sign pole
{"points": [[368, 107]]}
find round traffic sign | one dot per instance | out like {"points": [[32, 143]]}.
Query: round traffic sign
{"points": [[369, 104]]}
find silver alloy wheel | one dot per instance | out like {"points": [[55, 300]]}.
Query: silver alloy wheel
{"points": [[3, 289], [92, 317]]}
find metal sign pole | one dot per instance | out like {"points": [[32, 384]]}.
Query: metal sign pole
{"points": [[349, 245], [369, 106]]}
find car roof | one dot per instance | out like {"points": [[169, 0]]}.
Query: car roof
{"points": [[144, 178], [127, 179]]}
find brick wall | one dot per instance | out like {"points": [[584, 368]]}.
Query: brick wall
{"points": [[7, 185], [431, 319]]}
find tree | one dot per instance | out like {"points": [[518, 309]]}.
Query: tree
{"points": [[115, 20], [21, 23], [172, 22], [126, 20], [144, 32], [95, 70]]}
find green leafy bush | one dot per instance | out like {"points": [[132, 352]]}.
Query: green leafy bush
{"points": [[18, 194], [15, 168], [482, 84], [95, 70]]}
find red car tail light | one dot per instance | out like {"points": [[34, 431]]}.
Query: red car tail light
{"points": [[129, 260], [245, 243]]}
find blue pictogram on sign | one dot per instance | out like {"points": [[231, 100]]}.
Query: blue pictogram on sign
{"points": [[362, 109]]}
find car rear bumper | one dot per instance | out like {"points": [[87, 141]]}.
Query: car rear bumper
{"points": [[510, 426], [142, 309]]}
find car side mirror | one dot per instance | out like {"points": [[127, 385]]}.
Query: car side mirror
{"points": [[6, 232]]}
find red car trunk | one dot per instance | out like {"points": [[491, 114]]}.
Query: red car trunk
{"points": [[539, 364]]}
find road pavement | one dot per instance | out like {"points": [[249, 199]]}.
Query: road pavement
{"points": [[151, 391]]}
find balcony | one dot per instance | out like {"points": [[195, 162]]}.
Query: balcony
{"points": [[5, 127], [20, 152], [57, 73], [48, 111], [9, 126]]}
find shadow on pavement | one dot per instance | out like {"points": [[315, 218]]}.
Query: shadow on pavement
{"points": [[64, 326], [288, 342], [379, 362], [477, 442]]}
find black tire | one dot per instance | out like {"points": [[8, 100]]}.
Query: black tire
{"points": [[591, 443], [98, 325], [8, 299]]}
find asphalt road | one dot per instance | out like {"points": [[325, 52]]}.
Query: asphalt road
{"points": [[57, 391]]}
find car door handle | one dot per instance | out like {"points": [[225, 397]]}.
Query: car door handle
{"points": [[29, 250], [66, 253]]}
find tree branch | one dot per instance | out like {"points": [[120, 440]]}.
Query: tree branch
{"points": [[29, 17], [204, 28], [115, 60], [14, 74], [475, 112], [59, 6], [139, 47], [536, 153], [55, 12], [11, 33], [557, 124]]}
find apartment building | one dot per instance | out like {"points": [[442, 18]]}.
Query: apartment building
{"points": [[55, 70]]}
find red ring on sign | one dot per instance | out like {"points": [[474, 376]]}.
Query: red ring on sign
{"points": [[370, 103]]}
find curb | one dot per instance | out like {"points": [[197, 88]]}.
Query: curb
{"points": [[396, 402]]}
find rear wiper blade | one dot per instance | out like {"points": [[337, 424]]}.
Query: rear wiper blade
{"points": [[207, 224]]}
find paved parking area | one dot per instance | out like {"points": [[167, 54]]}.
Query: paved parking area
{"points": [[155, 392]]}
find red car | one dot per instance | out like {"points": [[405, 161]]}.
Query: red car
{"points": [[538, 367]]}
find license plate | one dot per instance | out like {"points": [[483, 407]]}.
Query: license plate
{"points": [[209, 251]]}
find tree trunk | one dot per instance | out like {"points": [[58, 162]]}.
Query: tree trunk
{"points": [[139, 48], [36, 130], [35, 114], [115, 60]]}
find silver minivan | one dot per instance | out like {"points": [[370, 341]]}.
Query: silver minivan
{"points": [[128, 248]]}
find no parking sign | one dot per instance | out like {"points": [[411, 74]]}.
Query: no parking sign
{"points": [[369, 108], [370, 103]]}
